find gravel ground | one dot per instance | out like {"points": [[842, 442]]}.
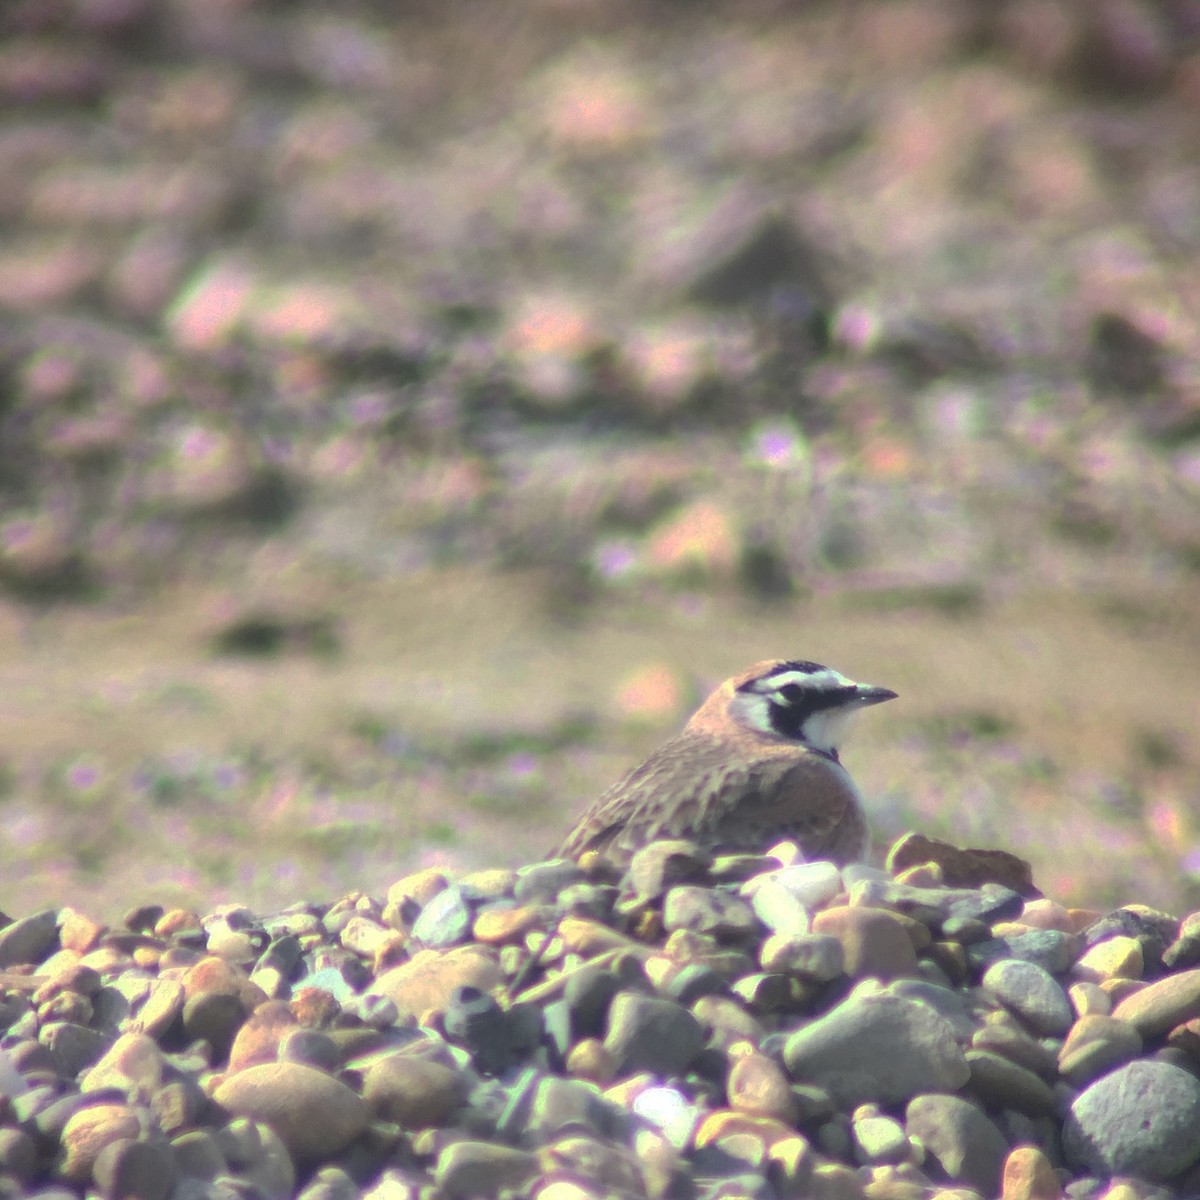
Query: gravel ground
{"points": [[745, 1026]]}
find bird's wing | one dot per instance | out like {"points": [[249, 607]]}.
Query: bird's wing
{"points": [[672, 793], [810, 800]]}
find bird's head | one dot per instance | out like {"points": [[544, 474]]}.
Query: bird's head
{"points": [[800, 701]]}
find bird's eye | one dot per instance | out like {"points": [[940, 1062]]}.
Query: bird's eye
{"points": [[791, 692]]}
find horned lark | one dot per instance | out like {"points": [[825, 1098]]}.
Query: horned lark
{"points": [[756, 764]]}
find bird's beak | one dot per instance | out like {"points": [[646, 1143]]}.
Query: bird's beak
{"points": [[868, 695]]}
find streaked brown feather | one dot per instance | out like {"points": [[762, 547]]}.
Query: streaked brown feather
{"points": [[737, 792]]}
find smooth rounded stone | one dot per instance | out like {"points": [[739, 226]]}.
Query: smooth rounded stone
{"points": [[1029, 1175], [1114, 958], [1183, 952], [495, 1037], [257, 1156], [134, 1063], [561, 1105], [330, 1183], [143, 1169], [589, 992], [818, 957], [780, 910], [690, 982], [588, 900], [1094, 1046], [877, 1046], [70, 976], [1050, 949], [879, 1139], [365, 937], [1030, 992], [18, 1154], [966, 931], [672, 1113], [213, 1017], [757, 1085], [161, 1007], [1001, 1083], [545, 880], [73, 1047], [651, 1033], [814, 884], [604, 1163], [960, 1138], [1010, 1041], [29, 940], [497, 925], [1089, 999], [445, 921], [420, 887], [704, 910], [765, 992], [89, 1130], [991, 903], [311, 1046], [875, 943], [1153, 929], [314, 1114], [177, 1105], [426, 983], [468, 1169], [1161, 1005], [1140, 1120], [414, 1093], [258, 1038], [943, 999], [490, 883]]}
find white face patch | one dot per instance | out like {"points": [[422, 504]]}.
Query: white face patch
{"points": [[803, 702]]}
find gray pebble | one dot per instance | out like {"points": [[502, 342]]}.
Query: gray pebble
{"points": [[444, 921], [960, 1139], [704, 910], [545, 880], [1030, 992], [877, 1046], [1050, 949], [30, 939], [1140, 1119], [470, 1169], [651, 1033]]}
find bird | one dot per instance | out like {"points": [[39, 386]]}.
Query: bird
{"points": [[756, 764]]}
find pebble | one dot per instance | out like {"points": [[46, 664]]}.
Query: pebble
{"points": [[813, 956], [469, 1169], [737, 1054], [875, 942], [1000, 1083], [1158, 1006], [427, 981], [412, 1092], [877, 1046], [1114, 958], [314, 1114], [1140, 1120], [1094, 1046], [703, 910], [444, 921], [1029, 1175], [1050, 949], [1031, 992], [758, 1086], [960, 1138], [29, 939], [649, 1033]]}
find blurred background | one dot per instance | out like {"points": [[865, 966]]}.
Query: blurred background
{"points": [[409, 410]]}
